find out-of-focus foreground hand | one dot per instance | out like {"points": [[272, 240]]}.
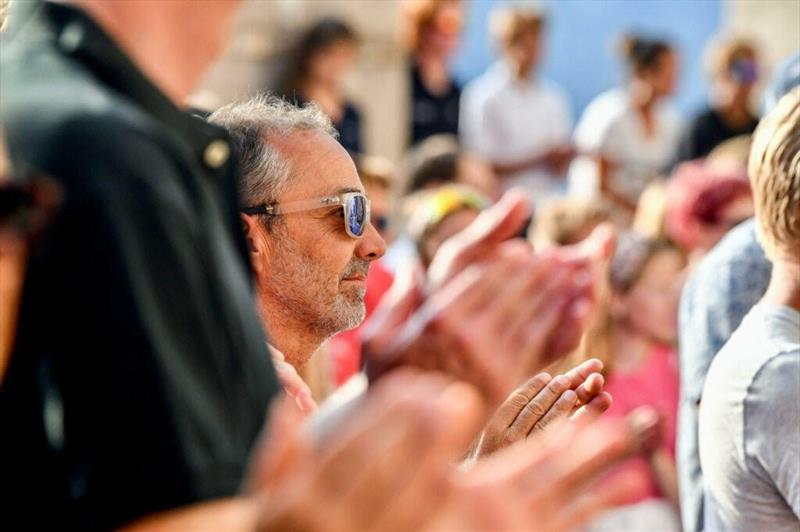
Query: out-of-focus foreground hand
{"points": [[387, 467], [541, 402], [492, 311], [293, 384], [543, 483]]}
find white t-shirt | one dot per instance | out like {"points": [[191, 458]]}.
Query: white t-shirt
{"points": [[507, 120], [749, 426], [612, 127]]}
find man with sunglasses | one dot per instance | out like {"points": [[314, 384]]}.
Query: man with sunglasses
{"points": [[307, 222]]}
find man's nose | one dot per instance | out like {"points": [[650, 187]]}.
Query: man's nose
{"points": [[370, 246]]}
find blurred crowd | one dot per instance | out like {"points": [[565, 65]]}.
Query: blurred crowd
{"points": [[239, 318]]}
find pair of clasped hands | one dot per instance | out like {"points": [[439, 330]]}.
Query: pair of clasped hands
{"points": [[446, 355]]}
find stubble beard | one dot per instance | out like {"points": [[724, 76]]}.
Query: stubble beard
{"points": [[300, 287]]}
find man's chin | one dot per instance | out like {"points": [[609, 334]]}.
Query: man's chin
{"points": [[351, 314]]}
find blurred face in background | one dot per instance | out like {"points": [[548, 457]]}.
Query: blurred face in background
{"points": [[380, 208], [739, 79], [332, 65], [449, 226], [440, 36], [526, 50], [650, 307], [663, 77]]}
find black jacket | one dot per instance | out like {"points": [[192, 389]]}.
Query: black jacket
{"points": [[140, 377]]}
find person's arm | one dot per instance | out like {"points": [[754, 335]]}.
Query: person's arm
{"points": [[663, 466], [554, 159], [605, 172]]}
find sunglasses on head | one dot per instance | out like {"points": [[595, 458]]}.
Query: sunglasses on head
{"points": [[355, 205]]}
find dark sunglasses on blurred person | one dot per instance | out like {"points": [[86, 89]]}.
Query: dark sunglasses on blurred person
{"points": [[744, 71], [355, 205]]}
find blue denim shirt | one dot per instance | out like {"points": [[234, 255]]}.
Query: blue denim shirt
{"points": [[726, 284]]}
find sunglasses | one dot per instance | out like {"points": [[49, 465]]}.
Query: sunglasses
{"points": [[355, 205]]}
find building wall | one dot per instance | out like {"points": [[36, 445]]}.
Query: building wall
{"points": [[581, 30]]}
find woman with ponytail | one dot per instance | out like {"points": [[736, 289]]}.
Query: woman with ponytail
{"points": [[628, 136]]}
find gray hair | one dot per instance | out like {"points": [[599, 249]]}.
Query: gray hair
{"points": [[265, 172]]}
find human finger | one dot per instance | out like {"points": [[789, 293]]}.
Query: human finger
{"points": [[518, 399], [593, 409], [581, 372], [590, 388], [560, 410], [537, 408]]}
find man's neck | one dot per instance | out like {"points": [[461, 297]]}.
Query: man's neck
{"points": [[288, 335], [784, 285], [520, 71]]}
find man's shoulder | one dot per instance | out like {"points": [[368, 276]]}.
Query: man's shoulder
{"points": [[731, 278], [48, 95], [606, 109], [484, 86], [763, 347]]}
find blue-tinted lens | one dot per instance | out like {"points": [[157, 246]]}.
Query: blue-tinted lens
{"points": [[356, 215]]}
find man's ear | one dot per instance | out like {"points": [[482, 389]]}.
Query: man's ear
{"points": [[253, 233], [249, 230]]}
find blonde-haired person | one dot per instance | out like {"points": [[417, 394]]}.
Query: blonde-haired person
{"points": [[749, 417], [567, 221], [733, 71], [518, 121]]}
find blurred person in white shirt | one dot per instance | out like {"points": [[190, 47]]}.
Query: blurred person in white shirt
{"points": [[515, 119], [628, 136]]}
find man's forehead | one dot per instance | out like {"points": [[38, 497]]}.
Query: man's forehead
{"points": [[320, 165]]}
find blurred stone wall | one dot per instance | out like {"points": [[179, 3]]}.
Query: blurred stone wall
{"points": [[379, 85], [266, 27], [773, 24]]}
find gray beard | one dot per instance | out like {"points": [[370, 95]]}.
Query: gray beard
{"points": [[297, 301]]}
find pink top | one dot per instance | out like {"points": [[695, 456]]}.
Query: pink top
{"points": [[655, 384]]}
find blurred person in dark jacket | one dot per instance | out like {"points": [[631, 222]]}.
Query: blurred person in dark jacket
{"points": [[734, 71], [140, 376], [317, 67], [432, 33]]}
